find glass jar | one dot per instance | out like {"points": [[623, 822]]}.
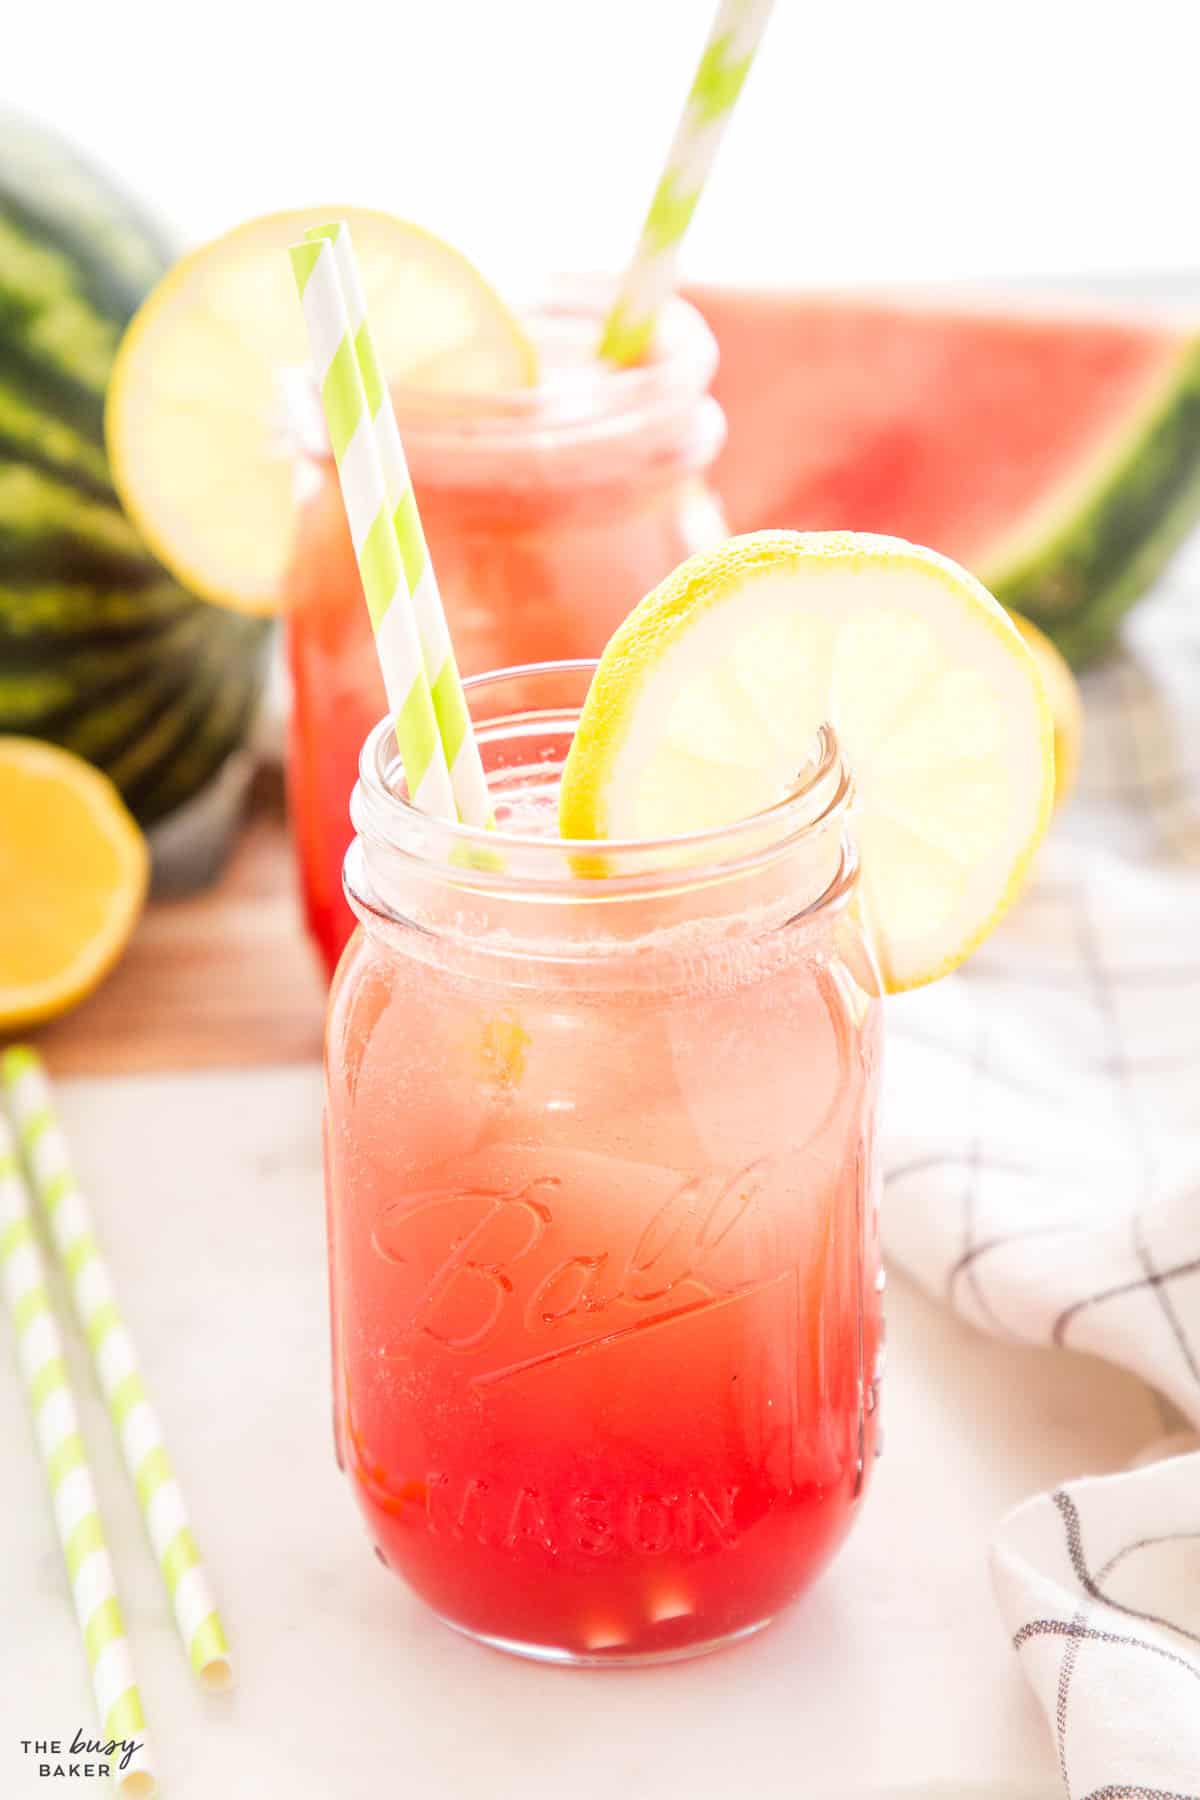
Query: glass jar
{"points": [[602, 1198], [549, 512]]}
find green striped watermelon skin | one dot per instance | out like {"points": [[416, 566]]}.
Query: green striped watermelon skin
{"points": [[1051, 447], [1083, 580], [100, 649]]}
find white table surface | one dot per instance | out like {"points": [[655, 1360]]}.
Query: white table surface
{"points": [[892, 1677]]}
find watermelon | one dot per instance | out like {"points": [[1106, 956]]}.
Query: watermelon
{"points": [[1056, 455], [100, 649]]}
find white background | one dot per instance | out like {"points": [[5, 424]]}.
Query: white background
{"points": [[877, 139]]}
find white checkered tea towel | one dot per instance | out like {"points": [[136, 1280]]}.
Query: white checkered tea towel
{"points": [[1042, 1146]]}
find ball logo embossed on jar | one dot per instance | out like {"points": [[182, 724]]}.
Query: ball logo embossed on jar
{"points": [[698, 1247]]}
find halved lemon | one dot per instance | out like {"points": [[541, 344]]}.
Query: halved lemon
{"points": [[73, 874], [194, 421], [708, 699]]}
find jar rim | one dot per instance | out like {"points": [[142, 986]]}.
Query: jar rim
{"points": [[593, 406], [513, 864]]}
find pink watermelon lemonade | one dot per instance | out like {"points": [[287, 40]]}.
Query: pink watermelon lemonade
{"points": [[549, 512], [604, 1266]]}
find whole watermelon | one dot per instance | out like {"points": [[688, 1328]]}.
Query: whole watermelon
{"points": [[100, 650]]}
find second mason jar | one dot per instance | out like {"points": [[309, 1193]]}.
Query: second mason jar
{"points": [[548, 511]]}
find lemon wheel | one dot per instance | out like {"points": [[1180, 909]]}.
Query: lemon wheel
{"points": [[194, 422], [707, 701]]}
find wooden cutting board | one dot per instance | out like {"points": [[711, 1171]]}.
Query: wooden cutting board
{"points": [[222, 979]]}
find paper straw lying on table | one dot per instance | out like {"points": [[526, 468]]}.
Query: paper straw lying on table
{"points": [[73, 1496], [372, 528], [437, 652], [650, 277], [115, 1360]]}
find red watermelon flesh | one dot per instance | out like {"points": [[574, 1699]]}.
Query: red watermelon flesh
{"points": [[964, 429]]}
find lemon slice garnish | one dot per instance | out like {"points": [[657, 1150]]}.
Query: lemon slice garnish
{"points": [[708, 699], [194, 421]]}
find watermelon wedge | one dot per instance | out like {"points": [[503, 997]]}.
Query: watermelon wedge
{"points": [[1056, 455]]}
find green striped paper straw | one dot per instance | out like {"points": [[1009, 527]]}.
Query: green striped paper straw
{"points": [[115, 1360], [372, 529], [73, 1495], [650, 278], [449, 702]]}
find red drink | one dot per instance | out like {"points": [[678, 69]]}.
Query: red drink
{"points": [[605, 1274], [549, 512]]}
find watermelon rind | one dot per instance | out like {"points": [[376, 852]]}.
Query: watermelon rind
{"points": [[106, 736], [40, 622], [51, 447], [222, 712], [100, 649], [1090, 566], [82, 683], [48, 530], [59, 197]]}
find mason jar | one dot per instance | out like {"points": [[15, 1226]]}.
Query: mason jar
{"points": [[549, 511], [602, 1197]]}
